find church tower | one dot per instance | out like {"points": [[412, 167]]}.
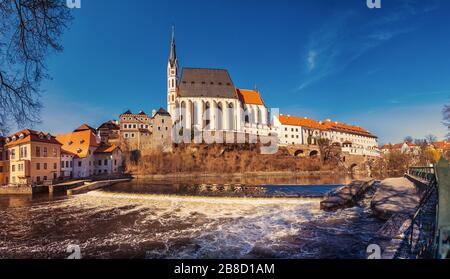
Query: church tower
{"points": [[172, 78]]}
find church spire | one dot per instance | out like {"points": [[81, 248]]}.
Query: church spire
{"points": [[173, 53]]}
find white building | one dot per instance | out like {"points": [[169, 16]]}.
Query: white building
{"points": [[294, 130], [89, 154], [354, 140], [208, 100], [108, 159], [67, 159]]}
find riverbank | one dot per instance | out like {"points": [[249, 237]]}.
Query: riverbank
{"points": [[221, 159]]}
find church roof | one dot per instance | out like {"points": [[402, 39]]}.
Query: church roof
{"points": [[250, 97], [213, 83]]}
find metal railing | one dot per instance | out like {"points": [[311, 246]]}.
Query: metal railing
{"points": [[422, 238], [424, 173]]}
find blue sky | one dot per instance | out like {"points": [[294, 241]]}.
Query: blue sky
{"points": [[385, 69]]}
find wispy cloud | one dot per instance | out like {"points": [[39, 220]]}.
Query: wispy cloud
{"points": [[311, 60], [343, 39]]}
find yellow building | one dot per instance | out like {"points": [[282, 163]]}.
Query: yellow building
{"points": [[34, 157], [4, 163]]}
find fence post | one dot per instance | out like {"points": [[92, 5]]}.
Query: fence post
{"points": [[442, 170]]}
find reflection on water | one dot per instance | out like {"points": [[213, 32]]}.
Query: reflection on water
{"points": [[133, 221], [220, 190]]}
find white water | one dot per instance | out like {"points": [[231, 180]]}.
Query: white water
{"points": [[120, 225]]}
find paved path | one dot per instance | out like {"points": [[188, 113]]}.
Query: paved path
{"points": [[395, 196]]}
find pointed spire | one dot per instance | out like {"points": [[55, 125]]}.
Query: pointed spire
{"points": [[173, 53]]}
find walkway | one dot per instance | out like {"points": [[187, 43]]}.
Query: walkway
{"points": [[396, 196]]}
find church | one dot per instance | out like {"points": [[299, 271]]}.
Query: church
{"points": [[207, 100]]}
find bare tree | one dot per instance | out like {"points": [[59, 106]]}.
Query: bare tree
{"points": [[430, 139], [421, 142], [29, 31], [408, 139], [446, 113]]}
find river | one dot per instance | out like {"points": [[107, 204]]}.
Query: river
{"points": [[163, 219]]}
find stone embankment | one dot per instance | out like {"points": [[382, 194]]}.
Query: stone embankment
{"points": [[347, 196]]}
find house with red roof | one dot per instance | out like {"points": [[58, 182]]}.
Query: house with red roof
{"points": [[84, 155], [34, 158]]}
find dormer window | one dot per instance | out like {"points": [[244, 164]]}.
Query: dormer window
{"points": [[78, 150], [22, 136], [82, 141], [70, 142], [14, 138]]}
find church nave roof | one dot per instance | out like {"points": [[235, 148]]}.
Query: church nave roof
{"points": [[213, 83]]}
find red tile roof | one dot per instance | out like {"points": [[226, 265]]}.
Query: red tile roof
{"points": [[297, 121], [444, 145], [106, 149], [250, 97], [78, 142], [342, 127], [30, 136]]}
